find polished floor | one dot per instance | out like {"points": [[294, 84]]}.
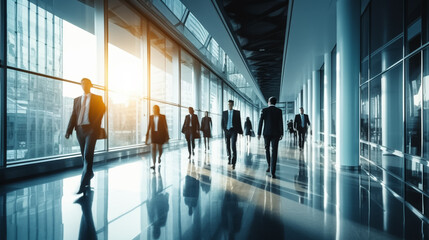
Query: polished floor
{"points": [[205, 199]]}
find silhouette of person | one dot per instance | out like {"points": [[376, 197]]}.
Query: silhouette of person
{"points": [[88, 110], [157, 206], [191, 190], [301, 179], [87, 227], [301, 123], [191, 129], [158, 132], [231, 125], [206, 128], [248, 130], [206, 180], [232, 213]]}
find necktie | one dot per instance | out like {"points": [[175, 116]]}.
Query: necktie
{"points": [[82, 111]]}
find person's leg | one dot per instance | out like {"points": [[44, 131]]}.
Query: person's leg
{"points": [[275, 145], [208, 143], [228, 145], [267, 152], [301, 138], [159, 152], [188, 140], [234, 148], [205, 143], [193, 144], [153, 154], [87, 174]]}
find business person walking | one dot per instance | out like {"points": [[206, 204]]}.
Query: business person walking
{"points": [[88, 110], [272, 122], [248, 130], [157, 131], [231, 125], [206, 128], [191, 129], [301, 124]]}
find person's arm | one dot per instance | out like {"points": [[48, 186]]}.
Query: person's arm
{"points": [[223, 125], [295, 123], [166, 127], [281, 125], [261, 122], [198, 123], [101, 110], [72, 121], [240, 129], [148, 129]]}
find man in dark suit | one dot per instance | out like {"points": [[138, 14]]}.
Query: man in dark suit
{"points": [[231, 125], [272, 119], [88, 110], [301, 124], [191, 129]]}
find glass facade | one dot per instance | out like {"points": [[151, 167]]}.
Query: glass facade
{"points": [[393, 98], [51, 45]]}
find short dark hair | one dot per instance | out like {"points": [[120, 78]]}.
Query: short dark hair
{"points": [[272, 100], [231, 101], [86, 80]]}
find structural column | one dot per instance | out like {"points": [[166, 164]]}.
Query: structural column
{"points": [[327, 100], [309, 110], [315, 115], [347, 117], [304, 97]]}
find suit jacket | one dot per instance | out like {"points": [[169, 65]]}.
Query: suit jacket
{"points": [[206, 124], [236, 121], [297, 122], [272, 119], [95, 112], [162, 127], [194, 129]]}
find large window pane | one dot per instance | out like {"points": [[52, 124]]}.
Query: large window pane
{"points": [[205, 89], [196, 28], [413, 105], [53, 37], [414, 24], [364, 112], [426, 102], [164, 67], [187, 79], [38, 112], [176, 7], [391, 109], [386, 22], [127, 80], [375, 111], [385, 57]]}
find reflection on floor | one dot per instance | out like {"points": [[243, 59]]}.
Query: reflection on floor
{"points": [[205, 199]]}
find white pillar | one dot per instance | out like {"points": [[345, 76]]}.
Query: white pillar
{"points": [[327, 100], [348, 67], [315, 116], [304, 97], [309, 110]]}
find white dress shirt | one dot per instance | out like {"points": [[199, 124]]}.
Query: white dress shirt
{"points": [[85, 120], [155, 121], [190, 120]]}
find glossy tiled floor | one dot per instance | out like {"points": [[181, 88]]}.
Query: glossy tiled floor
{"points": [[206, 199]]}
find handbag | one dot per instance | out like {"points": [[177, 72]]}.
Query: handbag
{"points": [[102, 134], [252, 133]]}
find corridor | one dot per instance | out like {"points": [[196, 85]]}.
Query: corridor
{"points": [[204, 198]]}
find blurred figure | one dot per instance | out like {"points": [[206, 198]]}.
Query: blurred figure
{"points": [[191, 129], [157, 206], [272, 119], [231, 125], [157, 132], [248, 130], [87, 227], [301, 179], [301, 124], [88, 110], [191, 190], [206, 128]]}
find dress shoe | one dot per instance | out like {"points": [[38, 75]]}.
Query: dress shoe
{"points": [[189, 157], [83, 189], [233, 166], [153, 167], [193, 153], [159, 160], [229, 162], [273, 176], [268, 169]]}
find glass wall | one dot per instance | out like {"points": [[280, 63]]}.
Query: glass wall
{"points": [[393, 94], [60, 42], [333, 95]]}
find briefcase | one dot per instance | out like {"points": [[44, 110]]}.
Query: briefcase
{"points": [[102, 134]]}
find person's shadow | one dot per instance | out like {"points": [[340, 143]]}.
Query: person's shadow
{"points": [[232, 213], [301, 179], [206, 180], [87, 228], [191, 191], [157, 206]]}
